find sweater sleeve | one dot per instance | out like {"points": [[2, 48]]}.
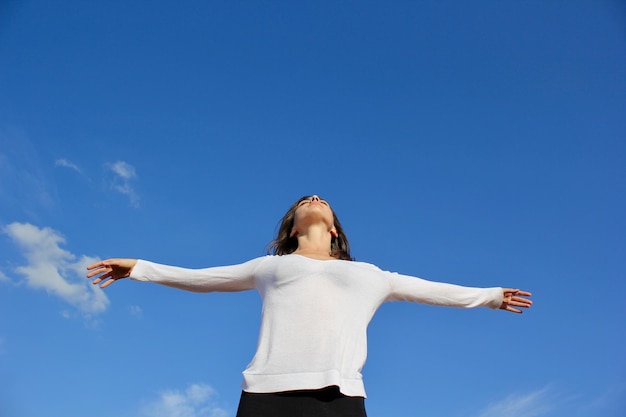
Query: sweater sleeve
{"points": [[407, 288], [221, 278]]}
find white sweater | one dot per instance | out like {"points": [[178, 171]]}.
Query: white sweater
{"points": [[315, 313]]}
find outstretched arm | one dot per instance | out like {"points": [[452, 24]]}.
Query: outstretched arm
{"points": [[407, 288], [513, 298], [110, 270], [228, 278]]}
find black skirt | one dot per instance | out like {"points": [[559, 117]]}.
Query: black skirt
{"points": [[325, 402]]}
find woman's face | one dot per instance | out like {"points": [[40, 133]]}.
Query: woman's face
{"points": [[313, 210]]}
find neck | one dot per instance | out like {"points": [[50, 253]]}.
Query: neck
{"points": [[314, 241]]}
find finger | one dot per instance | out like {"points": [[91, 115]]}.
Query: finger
{"points": [[518, 304], [107, 283], [96, 264], [510, 293], [102, 278], [521, 300], [516, 291], [98, 280], [98, 271], [513, 310]]}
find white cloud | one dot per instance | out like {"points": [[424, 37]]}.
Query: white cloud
{"points": [[67, 164], [135, 310], [124, 170], [195, 401], [55, 270], [533, 404], [124, 174], [3, 277]]}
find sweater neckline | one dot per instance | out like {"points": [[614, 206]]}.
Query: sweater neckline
{"points": [[314, 259]]}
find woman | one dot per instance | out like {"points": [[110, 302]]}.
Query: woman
{"points": [[317, 303]]}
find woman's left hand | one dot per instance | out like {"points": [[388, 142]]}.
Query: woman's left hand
{"points": [[513, 298]]}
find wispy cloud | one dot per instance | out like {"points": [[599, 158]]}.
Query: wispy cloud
{"points": [[135, 311], [55, 270], [67, 164], [533, 404], [124, 170], [3, 277], [24, 184], [124, 174], [197, 400], [610, 402]]}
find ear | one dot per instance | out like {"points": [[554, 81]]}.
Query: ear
{"points": [[293, 233], [333, 233]]}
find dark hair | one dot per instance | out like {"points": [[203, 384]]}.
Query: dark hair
{"points": [[284, 243]]}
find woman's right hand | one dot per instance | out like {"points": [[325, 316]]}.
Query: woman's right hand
{"points": [[111, 270]]}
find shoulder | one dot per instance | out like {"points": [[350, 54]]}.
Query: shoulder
{"points": [[364, 265]]}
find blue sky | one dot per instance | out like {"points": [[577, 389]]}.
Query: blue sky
{"points": [[480, 143]]}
